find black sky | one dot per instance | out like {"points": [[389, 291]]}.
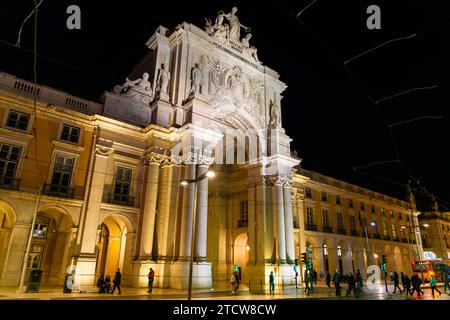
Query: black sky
{"points": [[326, 109]]}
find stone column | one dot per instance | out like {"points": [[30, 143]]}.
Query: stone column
{"points": [[279, 218], [187, 213], [288, 219], [152, 162], [201, 225]]}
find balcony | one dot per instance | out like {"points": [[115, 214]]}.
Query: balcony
{"points": [[311, 227], [57, 190], [121, 199], [396, 239], [327, 229], [404, 240], [377, 236], [388, 238], [354, 233], [9, 183], [342, 231], [413, 241], [242, 223]]}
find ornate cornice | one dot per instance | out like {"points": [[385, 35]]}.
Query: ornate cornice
{"points": [[157, 158], [283, 181]]}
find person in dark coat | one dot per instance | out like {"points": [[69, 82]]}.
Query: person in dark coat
{"points": [[151, 278], [328, 279], [117, 280], [100, 282], [106, 284], [351, 285], [402, 279], [407, 285], [314, 276], [359, 282], [307, 289], [396, 281], [416, 282], [336, 281]]}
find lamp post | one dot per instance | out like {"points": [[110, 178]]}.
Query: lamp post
{"points": [[208, 174]]}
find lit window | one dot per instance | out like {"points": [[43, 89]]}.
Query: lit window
{"points": [[394, 231], [40, 227], [384, 229], [325, 250], [18, 120], [339, 251], [338, 200], [35, 257]]}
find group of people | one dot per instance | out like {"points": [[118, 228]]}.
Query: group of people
{"points": [[104, 283], [411, 285], [310, 280], [354, 282]]}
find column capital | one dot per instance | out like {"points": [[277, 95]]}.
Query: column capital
{"points": [[158, 158], [280, 180]]}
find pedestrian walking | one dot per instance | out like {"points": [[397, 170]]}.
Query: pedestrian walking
{"points": [[151, 278], [359, 282], [311, 281], [328, 279], [314, 275], [117, 280], [407, 285], [336, 281], [416, 282], [396, 282], [433, 284], [446, 276], [234, 282], [402, 279], [271, 282], [307, 289], [351, 285]]}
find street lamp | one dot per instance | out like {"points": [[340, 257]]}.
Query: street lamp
{"points": [[208, 174]]}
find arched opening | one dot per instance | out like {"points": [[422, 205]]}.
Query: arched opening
{"points": [[357, 257], [429, 255], [7, 220], [313, 251], [342, 256], [111, 245], [51, 245], [328, 256], [241, 251]]}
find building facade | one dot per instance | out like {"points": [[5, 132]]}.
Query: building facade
{"points": [[103, 181], [435, 232]]}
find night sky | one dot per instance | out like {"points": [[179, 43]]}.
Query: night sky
{"points": [[327, 107]]}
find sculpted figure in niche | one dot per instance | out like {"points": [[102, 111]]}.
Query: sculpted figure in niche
{"points": [[139, 89], [196, 78], [250, 50], [235, 25], [162, 81], [274, 114]]}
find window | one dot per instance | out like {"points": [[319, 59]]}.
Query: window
{"points": [[402, 232], [9, 159], [244, 210], [339, 251], [384, 229], [40, 227], [325, 250], [338, 200], [340, 221], [70, 133], [350, 203], [372, 208], [35, 257], [391, 213], [352, 223], [18, 120], [310, 215], [394, 231], [382, 212], [407, 218], [308, 193], [326, 221], [323, 196], [400, 216], [122, 184], [62, 174], [363, 207]]}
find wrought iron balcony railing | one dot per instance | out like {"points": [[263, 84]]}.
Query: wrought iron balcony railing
{"points": [[342, 231], [242, 223], [9, 183], [311, 227], [57, 190], [121, 199], [327, 229], [354, 233]]}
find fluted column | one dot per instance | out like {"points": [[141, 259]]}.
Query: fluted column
{"points": [[289, 224], [279, 218], [187, 213], [152, 162], [201, 226]]}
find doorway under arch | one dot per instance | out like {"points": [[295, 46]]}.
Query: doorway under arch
{"points": [[241, 250], [7, 221], [111, 245]]}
